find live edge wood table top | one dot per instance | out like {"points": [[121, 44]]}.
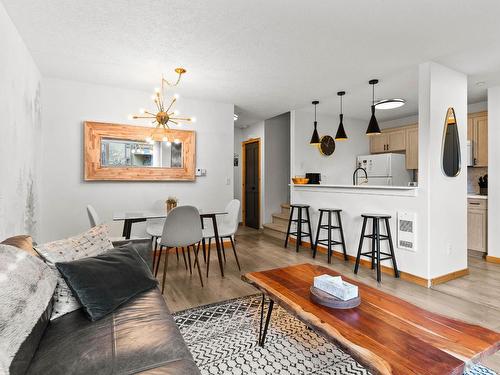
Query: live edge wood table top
{"points": [[384, 333]]}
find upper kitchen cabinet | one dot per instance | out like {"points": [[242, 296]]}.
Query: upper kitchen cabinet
{"points": [[477, 133], [412, 147], [390, 140]]}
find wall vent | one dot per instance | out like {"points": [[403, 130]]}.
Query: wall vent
{"points": [[407, 231]]}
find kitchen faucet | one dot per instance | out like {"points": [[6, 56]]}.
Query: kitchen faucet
{"points": [[355, 172]]}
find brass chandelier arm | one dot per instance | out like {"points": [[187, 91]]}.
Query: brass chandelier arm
{"points": [[171, 104], [135, 116], [180, 119]]}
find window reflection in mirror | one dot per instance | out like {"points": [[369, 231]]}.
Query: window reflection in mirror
{"points": [[451, 146], [129, 153]]}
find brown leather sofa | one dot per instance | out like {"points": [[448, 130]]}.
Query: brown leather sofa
{"points": [[140, 337]]}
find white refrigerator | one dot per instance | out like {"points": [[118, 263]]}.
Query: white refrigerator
{"points": [[383, 170]]}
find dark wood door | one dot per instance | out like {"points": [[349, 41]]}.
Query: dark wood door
{"points": [[252, 209]]}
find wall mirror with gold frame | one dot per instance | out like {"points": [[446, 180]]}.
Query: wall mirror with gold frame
{"points": [[138, 153], [451, 157]]}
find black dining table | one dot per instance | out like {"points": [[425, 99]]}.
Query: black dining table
{"points": [[136, 216]]}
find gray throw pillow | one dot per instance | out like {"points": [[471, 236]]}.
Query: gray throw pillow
{"points": [[104, 282], [26, 289], [92, 242]]}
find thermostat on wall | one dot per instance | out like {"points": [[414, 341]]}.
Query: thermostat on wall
{"points": [[407, 231], [200, 172]]}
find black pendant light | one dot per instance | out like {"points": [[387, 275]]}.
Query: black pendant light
{"points": [[341, 135], [373, 124], [315, 135]]}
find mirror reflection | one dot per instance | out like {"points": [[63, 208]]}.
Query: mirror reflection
{"points": [[451, 145], [130, 153]]}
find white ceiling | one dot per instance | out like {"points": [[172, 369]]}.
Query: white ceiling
{"points": [[266, 57]]}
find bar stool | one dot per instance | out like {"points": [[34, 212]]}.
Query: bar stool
{"points": [[329, 227], [376, 237], [299, 220]]}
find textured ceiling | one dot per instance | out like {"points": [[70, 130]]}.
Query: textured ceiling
{"points": [[266, 57]]}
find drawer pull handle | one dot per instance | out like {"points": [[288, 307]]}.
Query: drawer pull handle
{"points": [[475, 203]]}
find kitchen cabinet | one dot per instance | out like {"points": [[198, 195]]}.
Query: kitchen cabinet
{"points": [[391, 140], [412, 147], [477, 224], [477, 133]]}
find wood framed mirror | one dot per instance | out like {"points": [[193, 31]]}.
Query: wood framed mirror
{"points": [[115, 152]]}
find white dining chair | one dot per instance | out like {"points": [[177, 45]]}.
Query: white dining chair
{"points": [[227, 229], [182, 228], [93, 216]]}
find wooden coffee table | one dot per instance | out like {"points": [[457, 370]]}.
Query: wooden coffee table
{"points": [[384, 333]]}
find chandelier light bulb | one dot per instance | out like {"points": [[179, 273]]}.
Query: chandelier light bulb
{"points": [[153, 97], [157, 90], [177, 141], [142, 111], [193, 119], [130, 116], [176, 112], [176, 96]]}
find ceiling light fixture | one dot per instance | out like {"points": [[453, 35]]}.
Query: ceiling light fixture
{"points": [[164, 114], [315, 136], [373, 124], [341, 135], [390, 103]]}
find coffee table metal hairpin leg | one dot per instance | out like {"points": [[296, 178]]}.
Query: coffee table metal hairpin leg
{"points": [[262, 333]]}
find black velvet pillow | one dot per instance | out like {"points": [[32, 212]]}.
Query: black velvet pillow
{"points": [[104, 282]]}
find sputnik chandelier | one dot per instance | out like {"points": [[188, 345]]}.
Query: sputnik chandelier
{"points": [[164, 114]]}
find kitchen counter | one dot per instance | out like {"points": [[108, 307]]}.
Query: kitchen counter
{"points": [[359, 189], [477, 196]]}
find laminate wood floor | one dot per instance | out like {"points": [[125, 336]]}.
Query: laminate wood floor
{"points": [[474, 298]]}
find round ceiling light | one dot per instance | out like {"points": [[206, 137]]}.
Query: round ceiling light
{"points": [[390, 103]]}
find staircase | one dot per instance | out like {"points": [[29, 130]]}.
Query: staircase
{"points": [[277, 228]]}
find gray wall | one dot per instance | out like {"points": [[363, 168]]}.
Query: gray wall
{"points": [[277, 164]]}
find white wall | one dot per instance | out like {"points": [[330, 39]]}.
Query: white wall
{"points": [[238, 133], [445, 197], [493, 171], [334, 169], [20, 134], [277, 164], [67, 104]]}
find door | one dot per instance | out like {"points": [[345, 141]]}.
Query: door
{"points": [[412, 148], [396, 140], [378, 143], [251, 183], [480, 147]]}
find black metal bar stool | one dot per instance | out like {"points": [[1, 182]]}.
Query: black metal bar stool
{"points": [[299, 220], [376, 237], [329, 242]]}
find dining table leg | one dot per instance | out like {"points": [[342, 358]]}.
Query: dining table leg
{"points": [[127, 227], [217, 244]]}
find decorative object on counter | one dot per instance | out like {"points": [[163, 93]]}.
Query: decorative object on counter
{"points": [[341, 134], [483, 185], [451, 162], [300, 180], [326, 145], [373, 127], [164, 115], [171, 203], [315, 136], [390, 103], [314, 178]]}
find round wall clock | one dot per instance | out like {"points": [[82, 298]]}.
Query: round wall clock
{"points": [[326, 145]]}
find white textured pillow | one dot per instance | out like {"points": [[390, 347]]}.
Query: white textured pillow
{"points": [[91, 243], [26, 288]]}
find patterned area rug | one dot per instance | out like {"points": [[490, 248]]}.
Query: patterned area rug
{"points": [[223, 340]]}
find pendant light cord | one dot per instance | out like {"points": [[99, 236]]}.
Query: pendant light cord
{"points": [[315, 113], [373, 94]]}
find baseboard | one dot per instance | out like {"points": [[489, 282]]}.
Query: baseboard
{"points": [[449, 276], [367, 264], [491, 259]]}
